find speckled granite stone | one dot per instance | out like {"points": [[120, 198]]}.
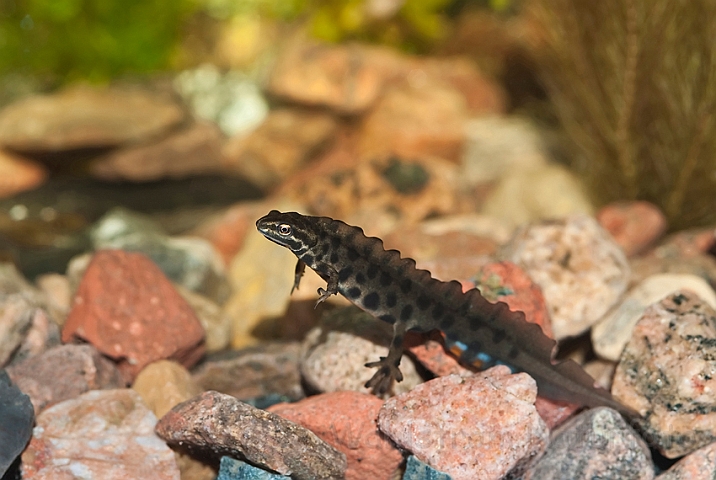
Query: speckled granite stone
{"points": [[667, 373], [595, 444], [475, 428]]}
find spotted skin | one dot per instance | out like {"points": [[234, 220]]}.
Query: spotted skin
{"points": [[392, 289]]}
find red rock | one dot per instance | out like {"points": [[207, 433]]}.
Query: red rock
{"points": [[553, 412], [635, 226], [432, 355], [129, 310], [193, 150], [18, 174], [82, 369], [347, 421], [107, 435], [461, 426], [286, 140], [506, 282]]}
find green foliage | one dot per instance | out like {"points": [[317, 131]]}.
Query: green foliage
{"points": [[415, 25], [634, 84], [94, 39]]}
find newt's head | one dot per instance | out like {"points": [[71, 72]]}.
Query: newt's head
{"points": [[290, 229]]}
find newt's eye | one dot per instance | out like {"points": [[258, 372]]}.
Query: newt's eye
{"points": [[284, 229]]}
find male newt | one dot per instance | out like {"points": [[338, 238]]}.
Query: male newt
{"points": [[392, 289]]}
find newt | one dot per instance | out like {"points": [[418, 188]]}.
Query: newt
{"points": [[392, 289]]}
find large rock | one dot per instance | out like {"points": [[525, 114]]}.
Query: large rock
{"points": [[222, 425], [596, 444], [129, 310], [193, 150], [282, 144], [83, 117], [346, 420], [666, 374], [581, 270], [347, 79], [63, 373], [107, 434], [461, 425], [259, 374]]}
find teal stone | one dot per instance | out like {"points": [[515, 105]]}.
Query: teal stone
{"points": [[417, 470], [232, 469]]}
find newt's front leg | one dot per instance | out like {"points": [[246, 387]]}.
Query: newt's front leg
{"points": [[331, 276], [298, 273], [388, 366]]}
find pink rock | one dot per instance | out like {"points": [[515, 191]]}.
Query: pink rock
{"points": [[666, 374], [347, 421], [462, 426], [129, 310], [506, 282], [634, 225], [699, 465], [103, 435], [82, 369]]}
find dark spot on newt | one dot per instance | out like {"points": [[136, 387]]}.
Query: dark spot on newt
{"points": [[391, 300], [498, 335], [345, 274], [423, 302], [388, 318], [371, 301]]}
